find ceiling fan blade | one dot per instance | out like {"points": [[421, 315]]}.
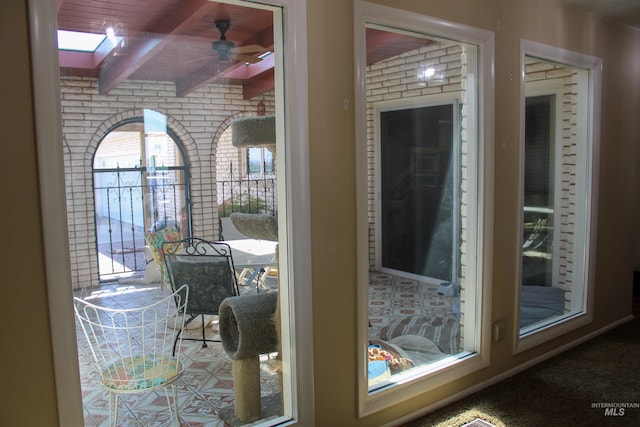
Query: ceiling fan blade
{"points": [[247, 58], [250, 48], [202, 58]]}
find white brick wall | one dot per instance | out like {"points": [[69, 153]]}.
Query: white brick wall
{"points": [[198, 120], [396, 78]]}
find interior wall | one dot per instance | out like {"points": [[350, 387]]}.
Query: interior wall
{"points": [[26, 357], [331, 139]]}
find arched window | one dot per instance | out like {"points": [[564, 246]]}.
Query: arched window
{"points": [[140, 184]]}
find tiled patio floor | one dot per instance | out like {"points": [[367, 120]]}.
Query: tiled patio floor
{"points": [[204, 389], [207, 384]]}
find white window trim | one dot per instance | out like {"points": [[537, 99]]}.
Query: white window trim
{"points": [[447, 98], [369, 13], [574, 320], [42, 16], [299, 340]]}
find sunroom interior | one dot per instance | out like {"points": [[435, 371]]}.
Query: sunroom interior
{"points": [[161, 66]]}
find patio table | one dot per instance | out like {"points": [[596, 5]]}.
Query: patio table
{"points": [[253, 259]]}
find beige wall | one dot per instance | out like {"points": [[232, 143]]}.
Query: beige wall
{"points": [[26, 355], [331, 68], [27, 364]]}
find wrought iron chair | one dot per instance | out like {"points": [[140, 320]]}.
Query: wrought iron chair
{"points": [[207, 268], [133, 349]]}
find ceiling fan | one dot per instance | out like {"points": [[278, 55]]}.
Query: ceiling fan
{"points": [[226, 51]]}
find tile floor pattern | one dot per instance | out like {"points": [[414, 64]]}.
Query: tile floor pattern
{"points": [[392, 297], [205, 387], [207, 384]]}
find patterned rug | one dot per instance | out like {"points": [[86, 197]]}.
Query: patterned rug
{"points": [[392, 298]]}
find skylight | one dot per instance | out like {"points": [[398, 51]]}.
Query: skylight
{"points": [[84, 42]]}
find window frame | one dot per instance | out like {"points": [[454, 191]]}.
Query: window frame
{"points": [[369, 13], [46, 91], [263, 172], [447, 98], [593, 65]]}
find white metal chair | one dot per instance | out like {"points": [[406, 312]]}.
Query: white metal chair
{"points": [[133, 348]]}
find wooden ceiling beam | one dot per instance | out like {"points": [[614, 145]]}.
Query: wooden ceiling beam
{"points": [[258, 85], [205, 75], [248, 71], [144, 47]]}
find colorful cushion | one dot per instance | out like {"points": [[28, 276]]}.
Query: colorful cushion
{"points": [[155, 241], [443, 331], [141, 372]]}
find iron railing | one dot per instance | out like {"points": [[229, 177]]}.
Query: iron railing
{"points": [[129, 202], [248, 195]]}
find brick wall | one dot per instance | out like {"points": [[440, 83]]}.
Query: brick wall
{"points": [[396, 79], [198, 120]]}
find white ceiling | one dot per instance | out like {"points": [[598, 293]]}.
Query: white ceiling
{"points": [[626, 12]]}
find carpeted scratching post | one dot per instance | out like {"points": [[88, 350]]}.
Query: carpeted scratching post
{"points": [[247, 330], [256, 226], [254, 131]]}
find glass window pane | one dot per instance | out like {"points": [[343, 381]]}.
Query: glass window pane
{"points": [[557, 152], [416, 191], [254, 160], [268, 161], [144, 126], [538, 191], [421, 170]]}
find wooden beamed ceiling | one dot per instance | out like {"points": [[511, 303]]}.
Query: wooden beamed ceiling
{"points": [[171, 40], [168, 40]]}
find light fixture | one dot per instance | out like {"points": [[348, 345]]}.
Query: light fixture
{"points": [[428, 74], [116, 33]]}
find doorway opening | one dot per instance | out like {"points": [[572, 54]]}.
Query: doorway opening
{"points": [[140, 184]]}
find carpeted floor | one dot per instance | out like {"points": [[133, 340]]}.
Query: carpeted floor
{"points": [[571, 389]]}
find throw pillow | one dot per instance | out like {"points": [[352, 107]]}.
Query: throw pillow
{"points": [[443, 331], [155, 241]]}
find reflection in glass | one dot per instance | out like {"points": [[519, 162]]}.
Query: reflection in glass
{"points": [[416, 184], [555, 180], [421, 107], [538, 190]]}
